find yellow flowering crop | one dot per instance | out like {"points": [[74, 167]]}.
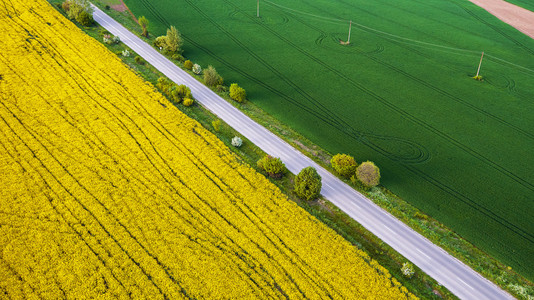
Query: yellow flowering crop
{"points": [[108, 191]]}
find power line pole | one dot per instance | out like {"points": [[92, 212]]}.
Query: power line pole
{"points": [[258, 9], [350, 27], [479, 64]]}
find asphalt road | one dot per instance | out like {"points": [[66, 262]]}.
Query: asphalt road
{"points": [[447, 270]]}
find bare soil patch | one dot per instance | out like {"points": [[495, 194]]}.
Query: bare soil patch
{"points": [[119, 7]]}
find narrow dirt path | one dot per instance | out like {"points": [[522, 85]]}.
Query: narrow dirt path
{"points": [[131, 13], [518, 17], [123, 7]]}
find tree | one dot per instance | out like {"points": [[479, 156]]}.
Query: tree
{"points": [[85, 18], [183, 91], [174, 40], [368, 174], [139, 60], [344, 164], [308, 184], [174, 96], [164, 85], [237, 93], [188, 64], [177, 93], [211, 77], [160, 42], [272, 165], [143, 22], [79, 10]]}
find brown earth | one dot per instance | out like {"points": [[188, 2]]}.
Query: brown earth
{"points": [[122, 7], [119, 7], [518, 17]]}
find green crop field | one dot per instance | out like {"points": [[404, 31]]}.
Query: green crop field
{"points": [[401, 95]]}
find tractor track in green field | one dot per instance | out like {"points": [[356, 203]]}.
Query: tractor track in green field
{"points": [[283, 20], [421, 154], [463, 7], [347, 49], [494, 28], [418, 153], [456, 194], [406, 114], [465, 199], [429, 85], [510, 83]]}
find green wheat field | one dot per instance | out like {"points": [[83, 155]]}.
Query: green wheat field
{"points": [[400, 94]]}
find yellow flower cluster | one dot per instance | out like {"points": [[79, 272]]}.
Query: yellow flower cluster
{"points": [[107, 190]]}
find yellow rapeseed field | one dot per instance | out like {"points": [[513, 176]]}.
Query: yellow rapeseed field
{"points": [[109, 191]]}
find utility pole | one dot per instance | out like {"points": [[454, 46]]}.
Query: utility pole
{"points": [[258, 9], [350, 27], [480, 64]]}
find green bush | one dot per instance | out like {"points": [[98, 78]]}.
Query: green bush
{"points": [[237, 93], [344, 164], [139, 60], [273, 166], [174, 96], [184, 91], [308, 184], [178, 57], [188, 64], [188, 101], [164, 85], [160, 42], [175, 93], [368, 174], [79, 10], [74, 11], [211, 77], [84, 18]]}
